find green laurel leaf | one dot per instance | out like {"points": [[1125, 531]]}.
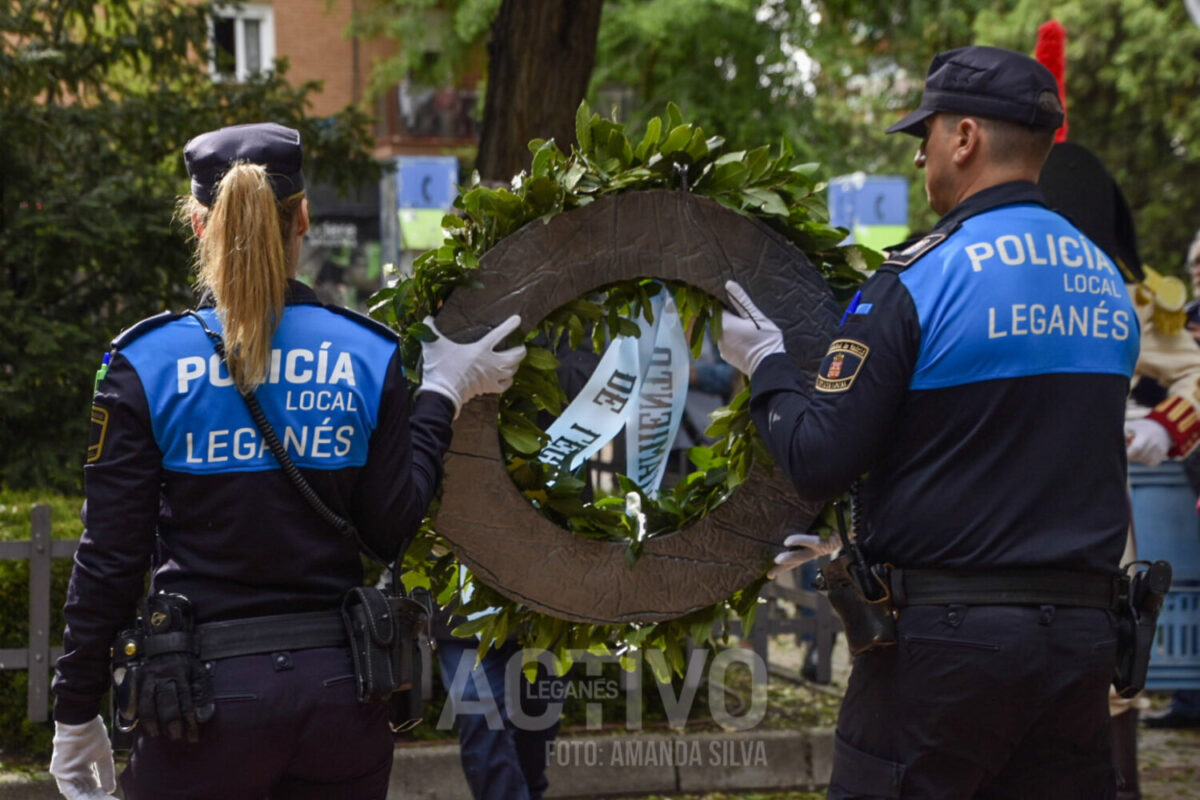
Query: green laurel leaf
{"points": [[758, 182]]}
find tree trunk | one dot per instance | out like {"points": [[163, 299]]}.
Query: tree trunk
{"points": [[541, 54]]}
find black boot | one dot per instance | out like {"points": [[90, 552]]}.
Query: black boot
{"points": [[1124, 739]]}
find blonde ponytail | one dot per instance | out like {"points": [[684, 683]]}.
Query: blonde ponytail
{"points": [[242, 261]]}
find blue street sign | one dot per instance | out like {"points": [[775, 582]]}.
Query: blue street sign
{"points": [[426, 181], [861, 200]]}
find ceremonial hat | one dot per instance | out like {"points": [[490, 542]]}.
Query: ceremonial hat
{"points": [[1076, 183], [273, 146], [986, 82]]}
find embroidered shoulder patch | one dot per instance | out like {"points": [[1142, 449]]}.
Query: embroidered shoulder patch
{"points": [[99, 429], [841, 365], [905, 257]]}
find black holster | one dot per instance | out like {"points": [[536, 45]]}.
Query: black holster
{"points": [[1141, 602], [162, 648], [386, 635], [862, 601]]}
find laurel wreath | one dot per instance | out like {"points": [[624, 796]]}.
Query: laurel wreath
{"points": [[671, 154]]}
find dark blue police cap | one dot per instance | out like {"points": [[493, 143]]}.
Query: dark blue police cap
{"points": [[273, 146], [987, 82]]}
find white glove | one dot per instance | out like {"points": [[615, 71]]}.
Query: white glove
{"points": [[807, 547], [748, 336], [1146, 442], [82, 763], [463, 371]]}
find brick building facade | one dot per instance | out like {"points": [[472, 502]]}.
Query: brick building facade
{"points": [[422, 125]]}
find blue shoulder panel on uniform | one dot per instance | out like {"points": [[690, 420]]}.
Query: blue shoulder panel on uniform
{"points": [[1014, 292], [322, 393], [141, 328]]}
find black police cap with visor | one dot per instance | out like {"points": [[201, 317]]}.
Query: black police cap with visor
{"points": [[273, 146], [986, 82]]}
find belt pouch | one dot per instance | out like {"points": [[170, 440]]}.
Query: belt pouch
{"points": [[868, 623], [371, 629], [412, 620], [384, 633]]}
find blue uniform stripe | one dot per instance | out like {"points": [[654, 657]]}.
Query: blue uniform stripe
{"points": [[322, 394], [1016, 292], [853, 307]]}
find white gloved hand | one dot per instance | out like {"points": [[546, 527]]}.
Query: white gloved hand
{"points": [[463, 371], [1146, 442], [82, 763], [806, 546], [748, 336]]}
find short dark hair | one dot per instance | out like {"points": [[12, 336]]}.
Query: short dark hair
{"points": [[1011, 141]]}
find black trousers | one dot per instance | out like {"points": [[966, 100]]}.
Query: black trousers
{"points": [[288, 726], [984, 702]]}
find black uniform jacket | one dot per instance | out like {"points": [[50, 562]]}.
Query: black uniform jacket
{"points": [[177, 478], [980, 381]]}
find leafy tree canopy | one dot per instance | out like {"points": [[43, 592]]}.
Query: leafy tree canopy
{"points": [[440, 39], [830, 75], [1133, 76], [96, 102]]}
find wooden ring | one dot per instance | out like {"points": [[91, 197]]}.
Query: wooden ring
{"points": [[491, 526]]}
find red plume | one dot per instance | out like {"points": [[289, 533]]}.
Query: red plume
{"points": [[1051, 52]]}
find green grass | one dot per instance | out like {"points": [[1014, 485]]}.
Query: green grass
{"points": [[15, 507]]}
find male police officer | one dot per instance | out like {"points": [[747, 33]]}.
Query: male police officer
{"points": [[980, 379]]}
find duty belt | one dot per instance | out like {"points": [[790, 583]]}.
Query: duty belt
{"points": [[911, 587], [271, 634]]}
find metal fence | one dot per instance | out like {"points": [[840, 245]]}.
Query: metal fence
{"points": [[39, 550], [812, 620]]}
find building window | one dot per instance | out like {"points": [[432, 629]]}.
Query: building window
{"points": [[243, 41]]}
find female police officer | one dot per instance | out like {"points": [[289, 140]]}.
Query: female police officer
{"points": [[178, 476]]}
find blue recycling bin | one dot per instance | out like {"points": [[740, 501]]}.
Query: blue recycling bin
{"points": [[1167, 527]]}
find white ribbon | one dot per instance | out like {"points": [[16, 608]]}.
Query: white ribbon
{"points": [[640, 385], [654, 418]]}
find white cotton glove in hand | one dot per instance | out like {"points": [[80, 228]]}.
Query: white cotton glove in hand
{"points": [[463, 371], [805, 548], [82, 763], [748, 336], [1146, 442]]}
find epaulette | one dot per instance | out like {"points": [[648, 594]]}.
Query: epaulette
{"points": [[907, 253], [365, 321], [141, 328]]}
